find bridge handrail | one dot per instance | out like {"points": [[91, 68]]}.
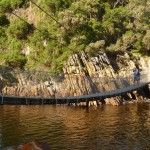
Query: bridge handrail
{"points": [[111, 84]]}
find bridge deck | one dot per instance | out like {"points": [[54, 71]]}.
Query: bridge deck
{"points": [[115, 91], [74, 99], [112, 93]]}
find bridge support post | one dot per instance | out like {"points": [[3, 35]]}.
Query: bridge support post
{"points": [[97, 103], [76, 103], [102, 100], [68, 102], [2, 100], [26, 101], [56, 101], [87, 102]]}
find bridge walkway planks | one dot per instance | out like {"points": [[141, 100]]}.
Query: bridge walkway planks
{"points": [[15, 100]]}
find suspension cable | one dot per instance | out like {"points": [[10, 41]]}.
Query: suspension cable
{"points": [[26, 22], [53, 38], [49, 15], [52, 17]]}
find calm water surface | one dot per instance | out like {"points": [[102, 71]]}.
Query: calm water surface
{"points": [[125, 127]]}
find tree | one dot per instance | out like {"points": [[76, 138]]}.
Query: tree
{"points": [[13, 55], [57, 5], [18, 29], [146, 40], [3, 20], [5, 5]]}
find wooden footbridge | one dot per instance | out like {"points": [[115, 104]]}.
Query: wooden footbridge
{"points": [[127, 87]]}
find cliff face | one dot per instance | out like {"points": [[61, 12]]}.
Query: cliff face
{"points": [[82, 75]]}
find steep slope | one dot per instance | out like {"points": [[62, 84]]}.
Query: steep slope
{"points": [[43, 34]]}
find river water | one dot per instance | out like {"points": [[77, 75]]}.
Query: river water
{"points": [[126, 127]]}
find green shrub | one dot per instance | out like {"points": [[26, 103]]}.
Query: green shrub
{"points": [[18, 29], [13, 54], [15, 3], [5, 5], [56, 5], [3, 20]]}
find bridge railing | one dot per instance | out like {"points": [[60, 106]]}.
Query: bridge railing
{"points": [[38, 84], [105, 85]]}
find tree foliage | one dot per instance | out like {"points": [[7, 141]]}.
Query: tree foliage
{"points": [[3, 20], [18, 29], [9, 5], [72, 26]]}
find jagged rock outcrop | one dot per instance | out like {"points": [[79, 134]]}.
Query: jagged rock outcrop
{"points": [[115, 101]]}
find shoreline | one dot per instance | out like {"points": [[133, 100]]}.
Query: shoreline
{"points": [[8, 100]]}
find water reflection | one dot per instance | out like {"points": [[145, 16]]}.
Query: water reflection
{"points": [[107, 128]]}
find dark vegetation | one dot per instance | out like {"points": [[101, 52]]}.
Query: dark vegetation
{"points": [[72, 26]]}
